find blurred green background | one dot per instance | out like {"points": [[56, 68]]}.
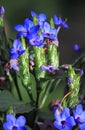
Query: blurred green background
{"points": [[73, 10]]}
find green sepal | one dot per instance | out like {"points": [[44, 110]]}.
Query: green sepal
{"points": [[52, 23], [10, 110], [39, 61], [73, 98], [53, 55], [24, 64], [35, 20]]}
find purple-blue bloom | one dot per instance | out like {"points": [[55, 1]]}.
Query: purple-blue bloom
{"points": [[59, 22], [81, 72], [14, 64], [36, 40], [23, 30], [30, 32], [17, 49], [13, 123], [49, 32], [40, 18], [70, 80], [79, 116], [76, 47], [49, 68], [64, 121]]}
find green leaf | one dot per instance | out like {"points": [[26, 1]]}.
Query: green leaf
{"points": [[33, 87], [22, 90], [7, 100], [45, 114]]}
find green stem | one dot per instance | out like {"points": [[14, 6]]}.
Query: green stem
{"points": [[24, 70], [24, 64], [73, 98]]}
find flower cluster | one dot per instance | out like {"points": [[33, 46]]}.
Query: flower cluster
{"points": [[66, 121], [37, 30]]}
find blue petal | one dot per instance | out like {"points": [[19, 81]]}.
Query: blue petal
{"points": [[82, 126], [42, 17], [43, 68], [79, 109], [19, 28], [12, 50], [15, 67], [71, 121], [10, 119], [82, 117], [14, 56], [52, 36], [65, 113], [33, 13], [22, 128], [21, 52], [24, 34], [16, 44], [66, 128], [21, 121], [35, 29], [53, 31], [64, 24], [58, 125], [57, 117], [56, 19], [28, 23], [46, 27], [6, 126]]}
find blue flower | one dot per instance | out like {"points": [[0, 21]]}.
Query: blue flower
{"points": [[60, 22], [24, 30], [13, 123], [63, 120], [49, 32], [81, 72], [14, 64], [17, 49], [79, 116], [49, 68], [76, 47], [36, 39]]}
